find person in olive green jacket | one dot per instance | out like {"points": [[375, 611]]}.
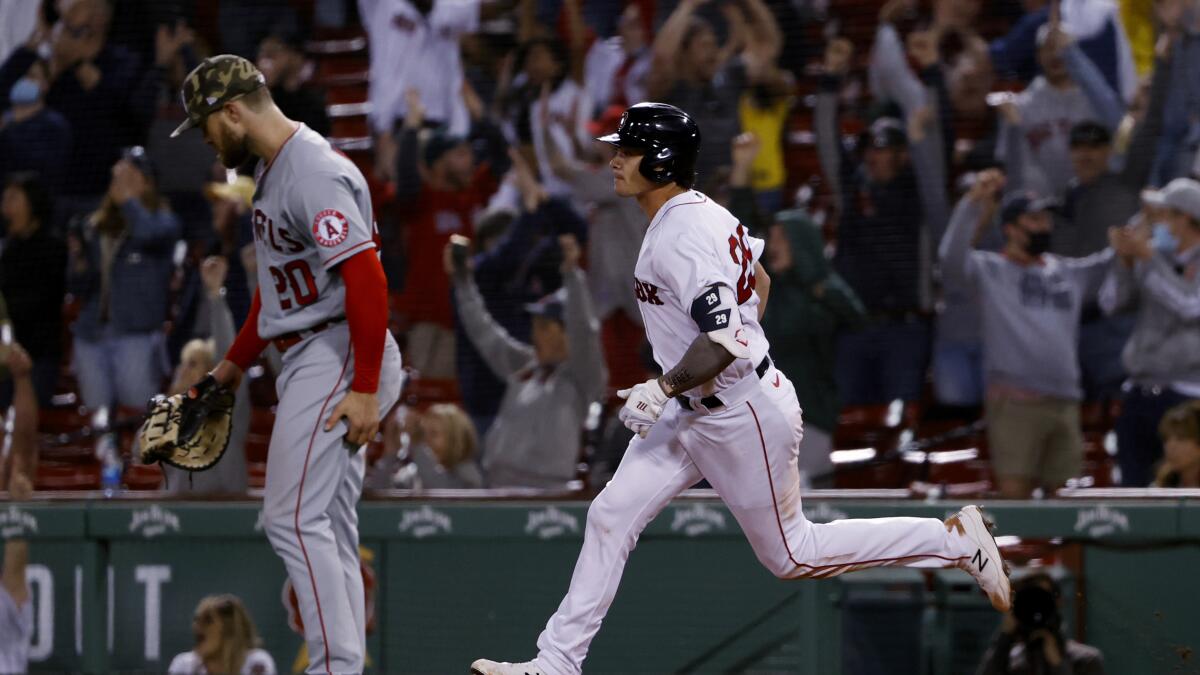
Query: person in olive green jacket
{"points": [[810, 303]]}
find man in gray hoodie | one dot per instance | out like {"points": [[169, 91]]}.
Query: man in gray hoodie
{"points": [[1030, 302], [1157, 275], [535, 440]]}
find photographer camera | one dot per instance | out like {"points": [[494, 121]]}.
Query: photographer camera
{"points": [[1031, 640]]}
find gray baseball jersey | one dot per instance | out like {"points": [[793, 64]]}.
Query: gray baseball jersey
{"points": [[312, 211]]}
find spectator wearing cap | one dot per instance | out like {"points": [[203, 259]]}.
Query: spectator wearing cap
{"points": [[1034, 141], [119, 267], [691, 70], [536, 437], [512, 268], [33, 264], [281, 61], [1157, 277], [415, 45], [441, 191], [103, 90], [1100, 197], [884, 240], [1031, 301], [1104, 190], [34, 137]]}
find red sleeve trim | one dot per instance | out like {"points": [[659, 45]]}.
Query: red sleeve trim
{"points": [[248, 345], [350, 252], [367, 316]]}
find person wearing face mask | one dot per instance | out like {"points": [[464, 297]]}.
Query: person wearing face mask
{"points": [[33, 137], [1030, 301], [1159, 258]]}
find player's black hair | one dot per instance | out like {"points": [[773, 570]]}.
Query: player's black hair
{"points": [[41, 206], [687, 179]]}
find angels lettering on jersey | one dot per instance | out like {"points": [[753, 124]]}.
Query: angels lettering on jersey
{"points": [[312, 212]]}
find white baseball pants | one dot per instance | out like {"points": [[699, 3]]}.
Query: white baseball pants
{"points": [[748, 453]]}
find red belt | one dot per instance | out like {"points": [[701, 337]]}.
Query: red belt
{"points": [[288, 340]]}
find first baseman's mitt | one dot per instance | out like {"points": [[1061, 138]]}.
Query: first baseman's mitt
{"points": [[188, 431]]}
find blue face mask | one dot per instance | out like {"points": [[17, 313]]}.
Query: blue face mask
{"points": [[1162, 239], [24, 92]]}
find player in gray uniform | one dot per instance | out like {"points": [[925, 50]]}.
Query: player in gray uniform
{"points": [[322, 300], [721, 412]]}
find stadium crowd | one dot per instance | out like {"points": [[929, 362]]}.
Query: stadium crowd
{"points": [[973, 212]]}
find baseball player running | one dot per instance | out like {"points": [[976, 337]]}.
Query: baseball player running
{"points": [[322, 300], [721, 411]]}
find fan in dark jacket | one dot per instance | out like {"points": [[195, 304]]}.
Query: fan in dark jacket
{"points": [[809, 304]]}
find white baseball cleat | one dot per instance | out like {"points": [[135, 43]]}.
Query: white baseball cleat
{"points": [[985, 564], [485, 667]]}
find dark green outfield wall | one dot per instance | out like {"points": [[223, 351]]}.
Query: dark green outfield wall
{"points": [[116, 582]]}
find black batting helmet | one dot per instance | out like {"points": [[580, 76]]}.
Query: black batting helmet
{"points": [[668, 136]]}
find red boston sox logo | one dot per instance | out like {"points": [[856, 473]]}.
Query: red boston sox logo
{"points": [[646, 292], [330, 228]]}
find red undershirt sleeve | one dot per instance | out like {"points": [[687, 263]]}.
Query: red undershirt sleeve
{"points": [[248, 345], [367, 316]]}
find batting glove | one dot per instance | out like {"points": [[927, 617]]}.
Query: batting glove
{"points": [[643, 406]]}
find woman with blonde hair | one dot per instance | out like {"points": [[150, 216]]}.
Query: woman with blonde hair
{"points": [[1180, 432], [431, 450], [226, 642]]}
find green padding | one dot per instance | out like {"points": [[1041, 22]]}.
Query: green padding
{"points": [[457, 580], [41, 521]]}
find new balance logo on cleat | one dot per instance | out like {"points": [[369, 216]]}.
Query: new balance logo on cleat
{"points": [[978, 559]]}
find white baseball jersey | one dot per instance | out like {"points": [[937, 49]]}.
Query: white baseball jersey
{"points": [[421, 51], [312, 211], [693, 243]]}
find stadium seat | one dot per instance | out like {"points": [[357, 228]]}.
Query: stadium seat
{"points": [[257, 446], [67, 476], [143, 477], [63, 420], [256, 474]]}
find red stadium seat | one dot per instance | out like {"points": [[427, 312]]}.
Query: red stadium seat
{"points": [[73, 476], [143, 476], [256, 474], [257, 446]]}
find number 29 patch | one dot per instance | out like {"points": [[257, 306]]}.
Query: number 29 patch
{"points": [[330, 228]]}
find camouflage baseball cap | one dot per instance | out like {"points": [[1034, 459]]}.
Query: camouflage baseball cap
{"points": [[215, 82]]}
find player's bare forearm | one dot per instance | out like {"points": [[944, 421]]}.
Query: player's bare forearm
{"points": [[702, 361], [227, 373], [762, 287]]}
